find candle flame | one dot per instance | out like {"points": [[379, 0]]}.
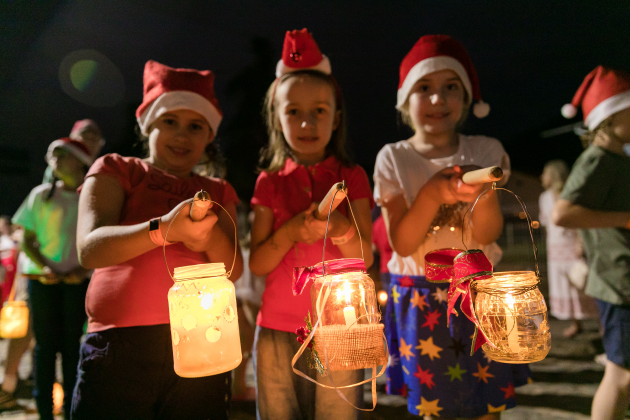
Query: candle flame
{"points": [[510, 300], [345, 294]]}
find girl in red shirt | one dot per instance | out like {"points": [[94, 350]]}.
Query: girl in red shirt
{"points": [[305, 157], [126, 204]]}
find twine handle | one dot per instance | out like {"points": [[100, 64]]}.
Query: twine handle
{"points": [[200, 198]]}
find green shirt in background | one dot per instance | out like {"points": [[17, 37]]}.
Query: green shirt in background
{"points": [[600, 180]]}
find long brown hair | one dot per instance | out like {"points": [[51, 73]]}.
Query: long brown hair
{"points": [[277, 151]]}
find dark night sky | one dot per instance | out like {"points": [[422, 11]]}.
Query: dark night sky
{"points": [[530, 56]]}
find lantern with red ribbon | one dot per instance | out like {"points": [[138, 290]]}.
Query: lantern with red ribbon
{"points": [[346, 329], [508, 310]]}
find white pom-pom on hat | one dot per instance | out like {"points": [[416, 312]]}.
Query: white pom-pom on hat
{"points": [[568, 111], [481, 109]]}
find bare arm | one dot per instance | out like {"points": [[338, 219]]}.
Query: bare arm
{"points": [[31, 249], [567, 214], [268, 248], [221, 247], [487, 219]]}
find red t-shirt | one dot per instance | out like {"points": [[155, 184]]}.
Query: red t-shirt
{"points": [[288, 192], [134, 292]]}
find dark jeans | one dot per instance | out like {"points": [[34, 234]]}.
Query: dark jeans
{"points": [[58, 314], [127, 373]]}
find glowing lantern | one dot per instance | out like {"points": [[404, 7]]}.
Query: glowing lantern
{"points": [[513, 315], [14, 319], [349, 335], [204, 324]]}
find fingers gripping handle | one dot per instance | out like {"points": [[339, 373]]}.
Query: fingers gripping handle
{"points": [[322, 210], [481, 176], [200, 205]]}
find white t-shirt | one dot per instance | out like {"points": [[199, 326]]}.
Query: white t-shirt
{"points": [[400, 169], [55, 224]]}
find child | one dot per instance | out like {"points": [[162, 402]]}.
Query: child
{"points": [[596, 200], [57, 283], [305, 157], [419, 187], [126, 367], [564, 254]]}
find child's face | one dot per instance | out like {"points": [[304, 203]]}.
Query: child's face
{"points": [[66, 167], [436, 102], [177, 141], [307, 113], [620, 125]]}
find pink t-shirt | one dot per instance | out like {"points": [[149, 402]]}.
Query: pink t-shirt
{"points": [[288, 192], [134, 293]]}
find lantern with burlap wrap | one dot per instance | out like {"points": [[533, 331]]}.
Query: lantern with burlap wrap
{"points": [[345, 332]]}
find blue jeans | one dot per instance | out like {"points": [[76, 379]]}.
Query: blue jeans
{"points": [[58, 314], [127, 373], [283, 395]]}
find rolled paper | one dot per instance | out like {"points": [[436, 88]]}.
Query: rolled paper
{"points": [[200, 205], [439, 265], [481, 176], [301, 275], [324, 206]]}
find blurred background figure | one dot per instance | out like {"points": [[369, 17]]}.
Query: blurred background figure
{"points": [[566, 265], [8, 257]]}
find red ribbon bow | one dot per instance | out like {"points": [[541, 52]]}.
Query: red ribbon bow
{"points": [[301, 275]]}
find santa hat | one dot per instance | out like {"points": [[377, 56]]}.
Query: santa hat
{"points": [[82, 126], [300, 52], [168, 89], [434, 53], [75, 147], [603, 92]]}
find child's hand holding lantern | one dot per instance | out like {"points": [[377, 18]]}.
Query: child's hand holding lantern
{"points": [[194, 234], [300, 231]]}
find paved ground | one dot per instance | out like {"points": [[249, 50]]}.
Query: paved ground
{"points": [[563, 387]]}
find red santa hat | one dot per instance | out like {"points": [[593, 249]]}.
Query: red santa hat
{"points": [[300, 52], [81, 126], [75, 147], [434, 53], [603, 92], [168, 89]]}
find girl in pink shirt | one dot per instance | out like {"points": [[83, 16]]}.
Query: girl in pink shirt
{"points": [[305, 157], [126, 204]]}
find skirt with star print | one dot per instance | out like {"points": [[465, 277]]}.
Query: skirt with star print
{"points": [[431, 364]]}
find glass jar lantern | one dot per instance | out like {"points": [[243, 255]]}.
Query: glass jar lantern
{"points": [[204, 322], [349, 333], [14, 319], [513, 315]]}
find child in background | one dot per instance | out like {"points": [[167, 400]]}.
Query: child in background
{"points": [[419, 187], [126, 367], [8, 257], [87, 132], [305, 158], [57, 284], [596, 200], [564, 253]]}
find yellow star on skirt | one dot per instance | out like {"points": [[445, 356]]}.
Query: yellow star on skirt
{"points": [[395, 294], [405, 349], [492, 409], [427, 347], [429, 408]]}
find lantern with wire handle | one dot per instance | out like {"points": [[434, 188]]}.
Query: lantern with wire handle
{"points": [[346, 328], [202, 309], [509, 312]]}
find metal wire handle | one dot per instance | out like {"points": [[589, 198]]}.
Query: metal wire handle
{"points": [[523, 206], [229, 273]]}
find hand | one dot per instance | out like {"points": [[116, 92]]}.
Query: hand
{"points": [[462, 191], [441, 186], [338, 226], [194, 234], [301, 231]]}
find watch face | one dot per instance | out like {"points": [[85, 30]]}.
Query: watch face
{"points": [[154, 224]]}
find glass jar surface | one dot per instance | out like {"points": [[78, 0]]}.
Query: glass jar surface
{"points": [[204, 321], [513, 315]]}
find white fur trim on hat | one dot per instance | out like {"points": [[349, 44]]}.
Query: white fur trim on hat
{"points": [[427, 66], [323, 66], [180, 99], [85, 158], [568, 111], [481, 109], [606, 108]]}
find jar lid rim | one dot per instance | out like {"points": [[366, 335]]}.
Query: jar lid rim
{"points": [[198, 271]]}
